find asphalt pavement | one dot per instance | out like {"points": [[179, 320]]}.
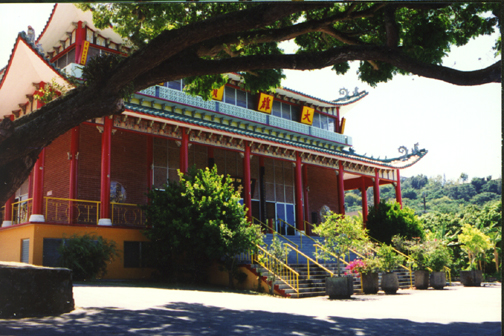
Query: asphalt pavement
{"points": [[106, 310]]}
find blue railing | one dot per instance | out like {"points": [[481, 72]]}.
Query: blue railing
{"points": [[244, 113]]}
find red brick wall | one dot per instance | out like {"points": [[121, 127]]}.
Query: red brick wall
{"points": [[88, 173], [323, 185], [129, 164], [57, 167]]}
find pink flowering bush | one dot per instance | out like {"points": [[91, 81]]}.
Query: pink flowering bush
{"points": [[355, 268]]}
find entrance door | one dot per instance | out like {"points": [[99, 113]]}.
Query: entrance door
{"points": [[285, 212]]}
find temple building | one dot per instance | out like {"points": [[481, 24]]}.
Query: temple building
{"points": [[288, 150]]}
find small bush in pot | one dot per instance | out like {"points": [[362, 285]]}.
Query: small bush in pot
{"points": [[390, 260], [438, 257], [475, 243], [340, 235], [417, 251]]}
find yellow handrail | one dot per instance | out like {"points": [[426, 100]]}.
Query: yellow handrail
{"points": [[274, 231], [284, 273], [301, 233], [308, 259], [295, 230], [317, 246]]}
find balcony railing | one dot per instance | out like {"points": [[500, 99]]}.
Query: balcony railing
{"points": [[127, 214], [71, 211], [21, 211], [247, 114]]}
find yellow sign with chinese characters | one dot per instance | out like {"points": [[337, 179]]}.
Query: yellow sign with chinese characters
{"points": [[265, 103], [217, 94], [307, 115], [85, 49]]}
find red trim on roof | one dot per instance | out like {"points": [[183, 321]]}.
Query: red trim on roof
{"points": [[35, 52], [47, 24], [6, 72]]}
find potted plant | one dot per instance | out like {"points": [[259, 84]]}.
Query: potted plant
{"points": [[475, 243], [418, 256], [367, 269], [437, 257], [390, 260], [340, 234]]}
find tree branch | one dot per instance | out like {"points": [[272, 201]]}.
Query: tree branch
{"points": [[214, 46], [172, 42], [318, 60]]}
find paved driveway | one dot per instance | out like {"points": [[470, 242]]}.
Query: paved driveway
{"points": [[150, 311]]}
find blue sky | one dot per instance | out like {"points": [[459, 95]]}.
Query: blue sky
{"points": [[459, 126]]}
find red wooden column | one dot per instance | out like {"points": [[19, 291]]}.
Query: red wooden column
{"points": [[262, 191], [150, 161], [376, 188], [38, 189], [184, 151], [105, 172], [7, 220], [305, 198], [74, 156], [80, 37], [363, 190], [341, 189], [247, 197], [299, 193], [398, 189]]}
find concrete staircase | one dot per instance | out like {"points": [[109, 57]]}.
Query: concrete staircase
{"points": [[314, 284]]}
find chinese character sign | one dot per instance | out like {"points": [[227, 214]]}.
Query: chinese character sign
{"points": [[265, 103], [217, 94], [343, 122], [307, 115], [85, 50]]}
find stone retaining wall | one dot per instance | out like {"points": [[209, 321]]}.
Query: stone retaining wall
{"points": [[27, 290]]}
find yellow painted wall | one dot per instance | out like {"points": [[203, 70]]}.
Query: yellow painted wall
{"points": [[10, 244]]}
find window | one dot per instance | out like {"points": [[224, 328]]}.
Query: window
{"points": [[25, 250], [66, 59], [136, 254], [229, 95], [241, 98], [277, 109], [176, 84], [50, 253]]}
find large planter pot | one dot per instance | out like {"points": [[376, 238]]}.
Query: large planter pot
{"points": [[438, 280], [370, 283], [389, 283], [339, 287], [421, 279], [471, 278]]}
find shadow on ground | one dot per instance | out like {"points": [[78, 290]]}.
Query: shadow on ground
{"points": [[197, 319]]}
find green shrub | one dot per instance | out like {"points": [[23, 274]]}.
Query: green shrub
{"points": [[390, 260], [87, 255], [195, 221], [388, 219]]}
